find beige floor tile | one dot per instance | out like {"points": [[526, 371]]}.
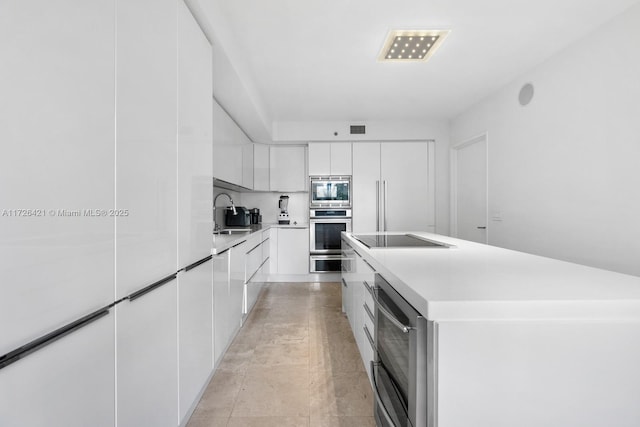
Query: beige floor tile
{"points": [[329, 421], [290, 354], [208, 422], [336, 357], [220, 395], [348, 394], [268, 422], [274, 391]]}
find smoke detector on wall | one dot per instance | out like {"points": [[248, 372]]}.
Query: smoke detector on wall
{"points": [[411, 45]]}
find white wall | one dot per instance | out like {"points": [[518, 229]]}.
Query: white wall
{"points": [[267, 202], [564, 171]]}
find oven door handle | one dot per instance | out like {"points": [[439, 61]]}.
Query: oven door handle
{"points": [[374, 368], [404, 328]]}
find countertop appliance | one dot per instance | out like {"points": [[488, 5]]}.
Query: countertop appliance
{"points": [[256, 218], [242, 217], [330, 191], [404, 373], [283, 205], [325, 226], [374, 241]]}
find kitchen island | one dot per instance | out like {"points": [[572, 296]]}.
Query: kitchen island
{"points": [[520, 340]]}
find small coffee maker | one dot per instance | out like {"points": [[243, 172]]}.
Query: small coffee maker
{"points": [[283, 204]]}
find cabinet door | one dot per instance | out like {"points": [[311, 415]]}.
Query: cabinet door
{"points": [[340, 158], [57, 132], [293, 251], [195, 333], [147, 355], [288, 168], [222, 322], [366, 184], [195, 167], [319, 158], [273, 251], [407, 203], [68, 383], [236, 285], [247, 165], [146, 143], [261, 167], [227, 150]]}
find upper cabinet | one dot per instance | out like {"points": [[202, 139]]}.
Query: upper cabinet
{"points": [[330, 158], [288, 167], [227, 149], [261, 167]]}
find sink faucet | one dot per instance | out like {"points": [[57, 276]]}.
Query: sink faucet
{"points": [[216, 227]]}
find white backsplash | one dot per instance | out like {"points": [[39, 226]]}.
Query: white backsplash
{"points": [[268, 205]]}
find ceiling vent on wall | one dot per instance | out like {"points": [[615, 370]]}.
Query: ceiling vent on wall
{"points": [[411, 45], [357, 130]]}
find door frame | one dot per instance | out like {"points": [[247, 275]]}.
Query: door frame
{"points": [[453, 168]]}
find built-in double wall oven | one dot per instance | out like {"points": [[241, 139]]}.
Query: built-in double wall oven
{"points": [[325, 226], [404, 371]]}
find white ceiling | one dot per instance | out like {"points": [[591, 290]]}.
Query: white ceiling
{"points": [[315, 60]]}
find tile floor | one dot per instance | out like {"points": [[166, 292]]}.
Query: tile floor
{"points": [[293, 364]]}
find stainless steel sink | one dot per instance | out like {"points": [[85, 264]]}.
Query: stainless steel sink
{"points": [[232, 230]]}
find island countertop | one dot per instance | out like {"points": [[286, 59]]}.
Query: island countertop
{"points": [[472, 281]]}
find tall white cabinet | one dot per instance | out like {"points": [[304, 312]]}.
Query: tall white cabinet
{"points": [[146, 335], [56, 128], [393, 186], [195, 223]]}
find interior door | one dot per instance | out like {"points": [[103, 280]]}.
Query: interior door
{"points": [[470, 190]]}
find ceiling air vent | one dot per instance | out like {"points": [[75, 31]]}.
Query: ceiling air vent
{"points": [[357, 130]]}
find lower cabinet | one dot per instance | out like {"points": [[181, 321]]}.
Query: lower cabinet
{"points": [[147, 374], [67, 383], [224, 326], [293, 250], [357, 302], [195, 328]]}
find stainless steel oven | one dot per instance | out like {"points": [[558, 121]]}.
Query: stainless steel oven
{"points": [[404, 373], [325, 226]]}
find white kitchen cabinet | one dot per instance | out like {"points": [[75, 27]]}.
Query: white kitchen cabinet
{"points": [[228, 294], [254, 259], [247, 163], [393, 186], [195, 169], [147, 359], [222, 323], [261, 167], [146, 143], [288, 170], [293, 250], [273, 251], [227, 149], [330, 158], [68, 383], [57, 133], [195, 333]]}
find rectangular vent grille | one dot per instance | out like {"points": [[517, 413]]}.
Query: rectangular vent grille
{"points": [[357, 130]]}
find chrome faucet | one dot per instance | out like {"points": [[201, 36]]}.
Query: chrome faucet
{"points": [[216, 227]]}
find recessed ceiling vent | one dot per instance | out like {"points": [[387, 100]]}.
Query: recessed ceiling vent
{"points": [[411, 45], [357, 130]]}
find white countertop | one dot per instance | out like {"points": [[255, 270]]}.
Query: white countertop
{"points": [[222, 242], [474, 281]]}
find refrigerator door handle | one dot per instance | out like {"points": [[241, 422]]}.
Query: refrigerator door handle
{"points": [[384, 201], [51, 337], [377, 205]]}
